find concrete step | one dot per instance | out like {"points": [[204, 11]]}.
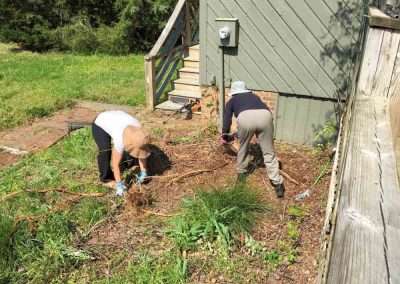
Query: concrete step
{"points": [[184, 87], [187, 85], [182, 96], [190, 70], [189, 75], [191, 58], [169, 106], [191, 64], [185, 81], [194, 52]]}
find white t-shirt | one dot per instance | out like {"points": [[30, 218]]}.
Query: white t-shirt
{"points": [[114, 123]]}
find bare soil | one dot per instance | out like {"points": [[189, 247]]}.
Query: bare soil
{"points": [[187, 156], [179, 168], [7, 159]]}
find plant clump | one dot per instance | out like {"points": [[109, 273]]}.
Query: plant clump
{"points": [[218, 215]]}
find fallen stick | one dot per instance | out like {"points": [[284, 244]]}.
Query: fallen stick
{"points": [[10, 195], [82, 194], [197, 172], [289, 178], [156, 213], [13, 194]]}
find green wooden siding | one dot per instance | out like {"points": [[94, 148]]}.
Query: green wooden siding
{"points": [[300, 47], [299, 118]]}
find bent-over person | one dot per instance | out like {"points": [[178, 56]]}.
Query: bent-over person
{"points": [[253, 118], [119, 136]]}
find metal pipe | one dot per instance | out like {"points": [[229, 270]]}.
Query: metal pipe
{"points": [[221, 100]]}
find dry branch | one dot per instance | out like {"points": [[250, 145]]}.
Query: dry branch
{"points": [[156, 213], [10, 195], [196, 172], [289, 178]]}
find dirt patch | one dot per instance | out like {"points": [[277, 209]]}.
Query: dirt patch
{"points": [[45, 132], [196, 161], [7, 159], [186, 156]]}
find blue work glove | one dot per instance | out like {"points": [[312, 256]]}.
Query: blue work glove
{"points": [[120, 188], [141, 177]]}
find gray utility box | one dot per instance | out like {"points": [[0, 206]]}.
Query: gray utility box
{"points": [[228, 32]]}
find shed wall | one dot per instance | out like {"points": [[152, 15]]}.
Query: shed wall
{"points": [[299, 119], [295, 47]]}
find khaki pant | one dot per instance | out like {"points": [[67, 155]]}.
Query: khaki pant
{"points": [[258, 122]]}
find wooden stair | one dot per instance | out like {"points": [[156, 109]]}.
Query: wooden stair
{"points": [[187, 86]]}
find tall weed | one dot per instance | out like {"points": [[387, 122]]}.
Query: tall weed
{"points": [[216, 215]]}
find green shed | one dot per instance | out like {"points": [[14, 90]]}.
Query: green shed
{"points": [[301, 50], [297, 55]]}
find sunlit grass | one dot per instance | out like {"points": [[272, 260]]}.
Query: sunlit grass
{"points": [[35, 85], [37, 230]]}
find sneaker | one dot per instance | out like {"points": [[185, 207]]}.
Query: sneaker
{"points": [[280, 190], [241, 178]]}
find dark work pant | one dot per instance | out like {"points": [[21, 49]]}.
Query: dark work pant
{"points": [[103, 141]]}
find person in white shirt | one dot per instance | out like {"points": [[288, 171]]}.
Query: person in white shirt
{"points": [[116, 132]]}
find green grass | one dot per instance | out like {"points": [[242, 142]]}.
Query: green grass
{"points": [[35, 85], [217, 215], [41, 248], [146, 269]]}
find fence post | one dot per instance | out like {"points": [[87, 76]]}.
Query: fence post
{"points": [[149, 70]]}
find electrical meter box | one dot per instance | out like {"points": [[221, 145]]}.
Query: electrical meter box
{"points": [[228, 32]]}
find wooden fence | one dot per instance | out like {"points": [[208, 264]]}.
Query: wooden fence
{"points": [[162, 62], [362, 225]]}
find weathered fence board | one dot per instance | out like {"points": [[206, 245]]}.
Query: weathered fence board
{"points": [[384, 70], [358, 254], [370, 62], [364, 245]]}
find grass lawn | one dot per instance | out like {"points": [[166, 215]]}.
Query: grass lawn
{"points": [[35, 85], [43, 231]]}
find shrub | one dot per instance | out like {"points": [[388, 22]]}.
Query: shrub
{"points": [[112, 40], [77, 37], [110, 26], [326, 135], [220, 214]]}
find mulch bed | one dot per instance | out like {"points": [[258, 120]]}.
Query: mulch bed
{"points": [[181, 168]]}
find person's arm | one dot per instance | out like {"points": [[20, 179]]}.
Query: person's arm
{"points": [[116, 158], [227, 117], [143, 165]]}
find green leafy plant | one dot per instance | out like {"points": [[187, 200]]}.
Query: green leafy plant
{"points": [[273, 258], [293, 231], [326, 136], [215, 215], [296, 212]]}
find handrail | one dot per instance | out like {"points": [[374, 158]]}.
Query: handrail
{"points": [[162, 62], [167, 30]]}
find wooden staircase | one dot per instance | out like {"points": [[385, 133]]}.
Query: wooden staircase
{"points": [[186, 87], [178, 40]]}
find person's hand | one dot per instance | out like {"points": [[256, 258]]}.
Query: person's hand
{"points": [[120, 188], [222, 140], [141, 177], [226, 138]]}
